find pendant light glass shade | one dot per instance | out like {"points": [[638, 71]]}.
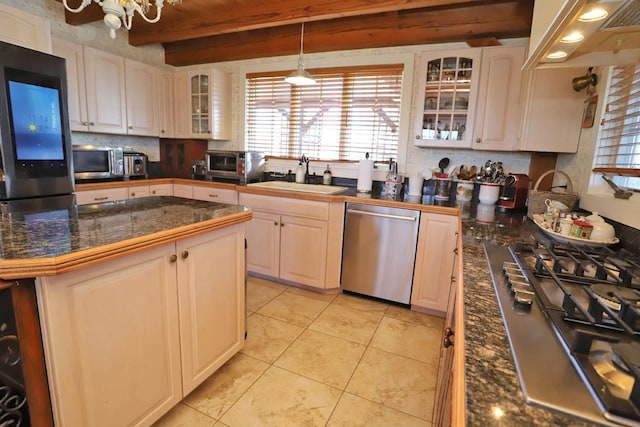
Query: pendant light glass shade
{"points": [[300, 77]]}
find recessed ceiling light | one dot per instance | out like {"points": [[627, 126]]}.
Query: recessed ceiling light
{"points": [[594, 14], [574, 37], [558, 54]]}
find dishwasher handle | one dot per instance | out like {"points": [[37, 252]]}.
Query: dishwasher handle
{"points": [[382, 215]]}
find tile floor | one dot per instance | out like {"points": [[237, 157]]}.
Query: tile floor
{"points": [[321, 360]]}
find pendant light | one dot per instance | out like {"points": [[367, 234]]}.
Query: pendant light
{"points": [[300, 77]]}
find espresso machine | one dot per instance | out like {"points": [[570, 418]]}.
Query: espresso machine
{"points": [[514, 192]]}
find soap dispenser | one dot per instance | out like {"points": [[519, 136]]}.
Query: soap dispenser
{"points": [[326, 178], [300, 174]]}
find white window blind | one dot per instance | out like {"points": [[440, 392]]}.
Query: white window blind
{"points": [[618, 147], [347, 113]]}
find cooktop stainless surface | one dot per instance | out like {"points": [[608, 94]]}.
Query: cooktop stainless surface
{"points": [[547, 376]]}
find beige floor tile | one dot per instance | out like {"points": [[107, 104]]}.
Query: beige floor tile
{"points": [[268, 338], [281, 398], [215, 396], [353, 411], [323, 358], [328, 298], [267, 282], [184, 416], [408, 339], [293, 308], [260, 292], [396, 382], [412, 316], [361, 303], [347, 323]]}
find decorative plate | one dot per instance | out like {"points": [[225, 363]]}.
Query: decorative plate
{"points": [[542, 224]]}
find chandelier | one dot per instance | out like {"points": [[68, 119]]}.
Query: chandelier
{"points": [[118, 12]]}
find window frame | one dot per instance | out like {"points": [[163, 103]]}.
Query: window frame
{"points": [[397, 67]]}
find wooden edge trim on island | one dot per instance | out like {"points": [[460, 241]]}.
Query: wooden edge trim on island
{"points": [[19, 269], [458, 406]]}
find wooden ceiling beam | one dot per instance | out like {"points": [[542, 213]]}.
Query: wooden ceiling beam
{"points": [[228, 17], [508, 19]]}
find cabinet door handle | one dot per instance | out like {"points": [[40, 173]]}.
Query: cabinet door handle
{"points": [[275, 223], [162, 131], [153, 192], [184, 254], [130, 127], [213, 196], [282, 224], [91, 124], [133, 194], [417, 136], [97, 199], [448, 337], [478, 140], [85, 123], [173, 258]]}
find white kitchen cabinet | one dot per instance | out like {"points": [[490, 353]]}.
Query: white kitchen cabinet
{"points": [[211, 294], [553, 111], [106, 97], [142, 100], [435, 261], [220, 195], [103, 195], [165, 105], [446, 99], [24, 29], [161, 190], [295, 241], [127, 339], [138, 191], [183, 190], [203, 104], [498, 107], [76, 90]]}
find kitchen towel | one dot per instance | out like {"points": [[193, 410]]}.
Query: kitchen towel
{"points": [[365, 176]]}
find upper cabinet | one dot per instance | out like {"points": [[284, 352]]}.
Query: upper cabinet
{"points": [[166, 105], [447, 90], [110, 94], [143, 98], [552, 117], [203, 104], [470, 98], [23, 29], [498, 108]]}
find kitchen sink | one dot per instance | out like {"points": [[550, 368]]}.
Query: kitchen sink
{"points": [[304, 188]]}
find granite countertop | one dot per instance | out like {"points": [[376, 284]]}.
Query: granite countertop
{"points": [[56, 235], [490, 376]]}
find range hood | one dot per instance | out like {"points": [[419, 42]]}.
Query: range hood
{"points": [[612, 40]]}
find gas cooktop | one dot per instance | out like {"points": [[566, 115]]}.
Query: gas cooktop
{"points": [[572, 316]]}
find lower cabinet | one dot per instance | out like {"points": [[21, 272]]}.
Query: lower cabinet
{"points": [[99, 196], [127, 339], [435, 263], [298, 241]]}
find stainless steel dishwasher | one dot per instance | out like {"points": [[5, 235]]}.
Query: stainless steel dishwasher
{"points": [[379, 251]]}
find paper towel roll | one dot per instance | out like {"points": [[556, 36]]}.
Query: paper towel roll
{"points": [[365, 176]]}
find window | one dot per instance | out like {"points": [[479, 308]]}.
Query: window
{"points": [[618, 147], [347, 113]]}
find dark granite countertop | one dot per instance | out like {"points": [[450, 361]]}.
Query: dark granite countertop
{"points": [[41, 236], [490, 376]]}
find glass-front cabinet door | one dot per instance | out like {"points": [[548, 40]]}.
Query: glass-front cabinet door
{"points": [[447, 97], [199, 88]]}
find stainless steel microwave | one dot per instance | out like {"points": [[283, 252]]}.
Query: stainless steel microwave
{"points": [[97, 162], [241, 167]]}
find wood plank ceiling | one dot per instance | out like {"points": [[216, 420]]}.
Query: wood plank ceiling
{"points": [[207, 31]]}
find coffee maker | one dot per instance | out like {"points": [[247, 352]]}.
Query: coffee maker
{"points": [[514, 192]]}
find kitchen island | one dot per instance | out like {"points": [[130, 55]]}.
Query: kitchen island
{"points": [[139, 301]]}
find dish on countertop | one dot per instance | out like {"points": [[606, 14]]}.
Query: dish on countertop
{"points": [[544, 226]]}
